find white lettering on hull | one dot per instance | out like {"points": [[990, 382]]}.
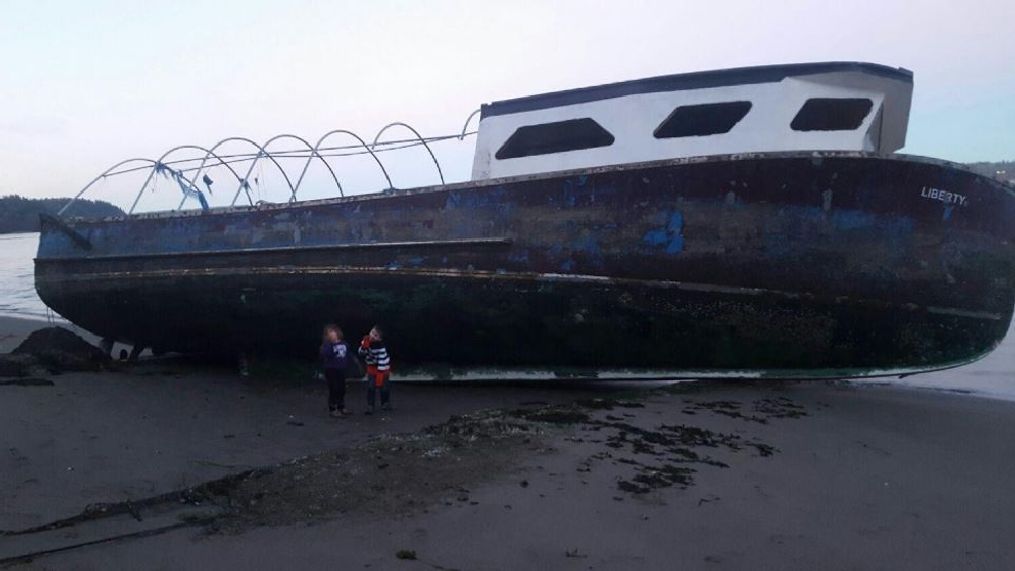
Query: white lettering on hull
{"points": [[931, 193]]}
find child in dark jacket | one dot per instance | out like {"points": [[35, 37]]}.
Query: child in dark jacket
{"points": [[373, 349], [335, 359]]}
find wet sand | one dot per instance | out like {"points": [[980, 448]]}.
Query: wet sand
{"points": [[807, 475]]}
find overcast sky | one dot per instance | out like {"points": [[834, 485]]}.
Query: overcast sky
{"points": [[85, 84]]}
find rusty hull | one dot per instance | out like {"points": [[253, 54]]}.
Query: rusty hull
{"points": [[802, 264]]}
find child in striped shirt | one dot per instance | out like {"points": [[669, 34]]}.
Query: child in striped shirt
{"points": [[372, 348]]}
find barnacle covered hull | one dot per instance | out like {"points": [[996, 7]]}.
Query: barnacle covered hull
{"points": [[788, 264]]}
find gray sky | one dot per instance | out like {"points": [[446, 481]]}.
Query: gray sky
{"points": [[85, 84]]}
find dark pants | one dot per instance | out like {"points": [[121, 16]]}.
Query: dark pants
{"points": [[379, 381], [336, 388]]}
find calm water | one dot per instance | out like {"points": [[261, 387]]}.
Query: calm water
{"points": [[993, 376], [17, 280]]}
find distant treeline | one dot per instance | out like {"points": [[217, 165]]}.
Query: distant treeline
{"points": [[19, 214], [1004, 170]]}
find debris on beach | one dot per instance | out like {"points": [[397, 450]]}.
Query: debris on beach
{"points": [[663, 455], [407, 554], [52, 350], [26, 382], [452, 455], [553, 414], [574, 554], [442, 464], [760, 411]]}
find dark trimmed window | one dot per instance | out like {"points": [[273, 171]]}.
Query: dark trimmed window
{"points": [[825, 114], [557, 137], [704, 119]]}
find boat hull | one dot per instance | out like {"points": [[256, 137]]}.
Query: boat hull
{"points": [[811, 265]]}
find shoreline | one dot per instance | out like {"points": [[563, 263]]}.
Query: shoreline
{"points": [[31, 317], [14, 329]]}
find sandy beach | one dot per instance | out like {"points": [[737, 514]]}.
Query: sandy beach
{"points": [[169, 464]]}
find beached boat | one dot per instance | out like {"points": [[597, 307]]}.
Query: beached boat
{"points": [[740, 222]]}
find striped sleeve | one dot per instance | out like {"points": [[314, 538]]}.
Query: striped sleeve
{"points": [[380, 357]]}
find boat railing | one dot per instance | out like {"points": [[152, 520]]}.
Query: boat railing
{"points": [[186, 172]]}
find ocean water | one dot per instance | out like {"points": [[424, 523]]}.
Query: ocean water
{"points": [[17, 278], [992, 376]]}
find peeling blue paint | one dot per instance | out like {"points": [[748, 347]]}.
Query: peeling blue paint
{"points": [[671, 236], [655, 237], [453, 200], [493, 197]]}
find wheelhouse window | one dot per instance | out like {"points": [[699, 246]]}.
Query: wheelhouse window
{"points": [[701, 120], [556, 137], [826, 114]]}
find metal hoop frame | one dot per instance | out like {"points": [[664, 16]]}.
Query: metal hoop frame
{"points": [[320, 142], [158, 162], [157, 165], [418, 136], [260, 153], [306, 165], [465, 127], [100, 177]]}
